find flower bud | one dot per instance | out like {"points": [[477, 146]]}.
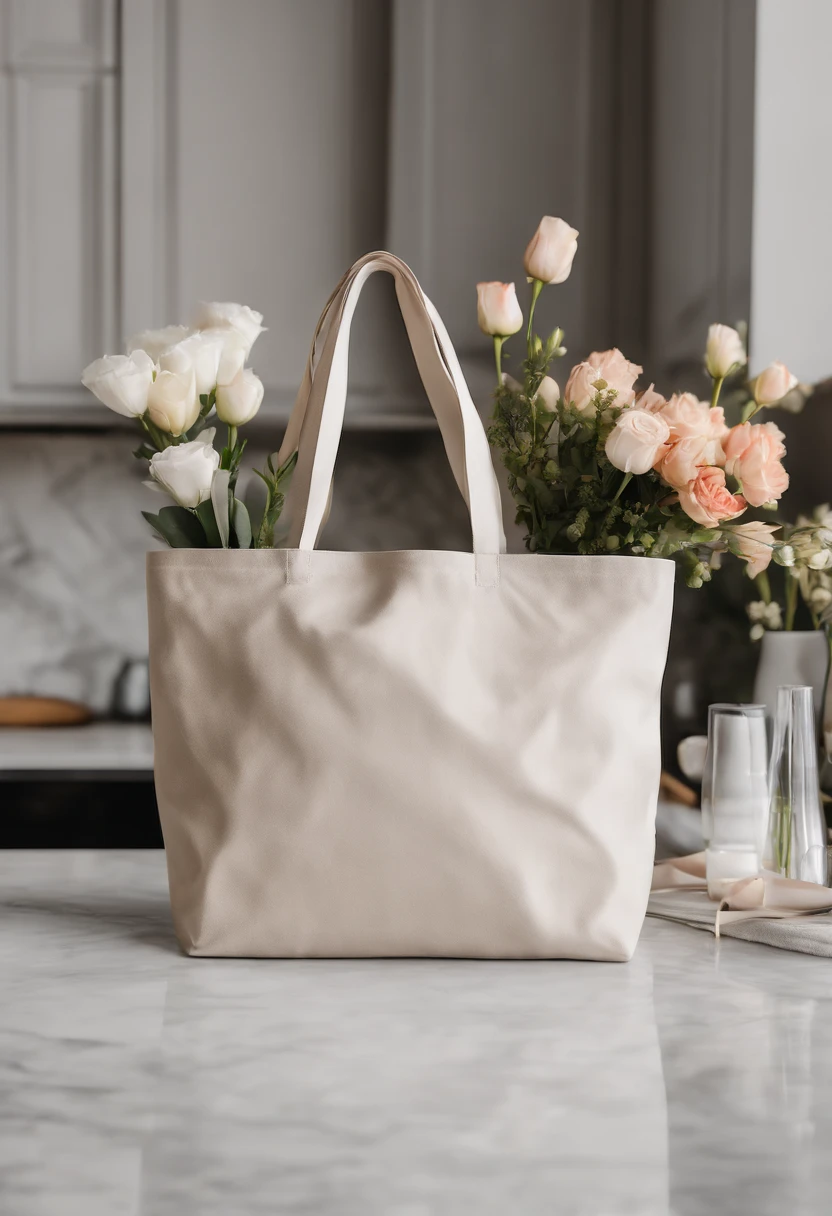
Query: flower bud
{"points": [[239, 401], [724, 351], [173, 403], [772, 384], [498, 312], [551, 251]]}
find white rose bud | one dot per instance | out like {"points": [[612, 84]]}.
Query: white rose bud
{"points": [[239, 401], [155, 341], [551, 251], [173, 403], [549, 393], [121, 382], [772, 384], [724, 351], [635, 441], [498, 312], [239, 317], [186, 472]]}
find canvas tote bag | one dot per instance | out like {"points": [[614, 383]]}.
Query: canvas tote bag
{"points": [[405, 753]]}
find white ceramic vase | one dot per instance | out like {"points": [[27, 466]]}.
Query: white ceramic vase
{"points": [[794, 657]]}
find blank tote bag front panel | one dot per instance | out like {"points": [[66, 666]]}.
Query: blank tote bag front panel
{"points": [[405, 753]]}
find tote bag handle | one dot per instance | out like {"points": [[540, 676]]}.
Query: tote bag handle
{"points": [[319, 428]]}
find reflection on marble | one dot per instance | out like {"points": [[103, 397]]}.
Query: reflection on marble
{"points": [[133, 1080], [72, 543]]}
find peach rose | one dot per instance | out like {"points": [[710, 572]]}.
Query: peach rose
{"points": [[648, 399], [772, 384], [756, 545], [618, 372], [580, 391], [681, 462], [635, 441], [753, 455], [688, 417], [707, 499]]}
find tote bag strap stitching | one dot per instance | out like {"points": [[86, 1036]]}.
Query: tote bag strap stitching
{"points": [[324, 414]]}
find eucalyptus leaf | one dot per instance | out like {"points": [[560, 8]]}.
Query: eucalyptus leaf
{"points": [[205, 514], [178, 526], [219, 499], [242, 524]]}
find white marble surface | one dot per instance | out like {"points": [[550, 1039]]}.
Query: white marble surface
{"points": [[96, 747], [696, 1079]]}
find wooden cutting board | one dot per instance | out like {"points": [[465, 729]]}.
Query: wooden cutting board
{"points": [[42, 711]]}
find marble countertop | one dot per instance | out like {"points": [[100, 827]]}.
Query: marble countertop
{"points": [[696, 1079], [107, 747]]}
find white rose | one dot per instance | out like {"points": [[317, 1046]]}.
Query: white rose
{"points": [[239, 401], [239, 317], [173, 403], [203, 351], [772, 384], [155, 341], [121, 382], [636, 440], [498, 312], [549, 393], [186, 472], [724, 351], [551, 251]]}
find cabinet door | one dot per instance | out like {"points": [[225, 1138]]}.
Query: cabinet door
{"points": [[58, 199]]}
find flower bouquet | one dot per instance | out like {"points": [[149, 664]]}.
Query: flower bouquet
{"points": [[173, 382], [606, 467]]}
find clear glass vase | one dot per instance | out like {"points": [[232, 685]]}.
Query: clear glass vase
{"points": [[796, 844], [734, 794]]}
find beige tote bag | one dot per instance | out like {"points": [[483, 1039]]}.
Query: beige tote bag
{"points": [[405, 753]]}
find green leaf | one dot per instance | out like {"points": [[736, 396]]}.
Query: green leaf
{"points": [[219, 498], [205, 514], [242, 524], [178, 526]]}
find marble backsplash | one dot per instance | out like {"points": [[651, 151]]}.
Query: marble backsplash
{"points": [[72, 544]]}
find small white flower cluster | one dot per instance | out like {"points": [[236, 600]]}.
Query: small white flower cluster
{"points": [[764, 616]]}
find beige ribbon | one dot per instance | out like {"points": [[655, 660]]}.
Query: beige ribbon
{"points": [[766, 896]]}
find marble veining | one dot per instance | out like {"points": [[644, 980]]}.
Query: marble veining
{"points": [[696, 1079]]}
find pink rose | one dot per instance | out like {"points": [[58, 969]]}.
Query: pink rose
{"points": [[618, 372], [580, 391], [707, 499], [635, 441], [755, 545], [752, 454]]}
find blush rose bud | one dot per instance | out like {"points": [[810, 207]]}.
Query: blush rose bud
{"points": [[724, 352], [551, 251], [772, 384], [498, 311], [172, 403]]}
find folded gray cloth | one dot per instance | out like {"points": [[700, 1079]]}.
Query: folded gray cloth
{"points": [[804, 934]]}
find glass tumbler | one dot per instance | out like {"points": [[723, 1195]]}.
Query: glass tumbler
{"points": [[735, 800], [797, 837]]}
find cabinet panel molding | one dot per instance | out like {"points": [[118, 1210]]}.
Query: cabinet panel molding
{"points": [[61, 34]]}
